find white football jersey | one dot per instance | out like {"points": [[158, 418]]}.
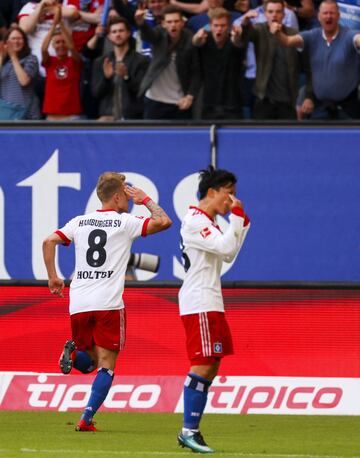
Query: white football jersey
{"points": [[204, 249], [38, 34], [102, 241]]}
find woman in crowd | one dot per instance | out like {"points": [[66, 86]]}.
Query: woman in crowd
{"points": [[18, 70]]}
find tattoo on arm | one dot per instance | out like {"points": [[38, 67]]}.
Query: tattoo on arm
{"points": [[155, 209]]}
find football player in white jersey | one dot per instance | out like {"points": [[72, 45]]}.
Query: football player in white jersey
{"points": [[102, 241], [204, 248]]}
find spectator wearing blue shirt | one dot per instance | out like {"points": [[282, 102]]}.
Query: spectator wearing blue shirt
{"points": [[335, 64], [18, 70]]}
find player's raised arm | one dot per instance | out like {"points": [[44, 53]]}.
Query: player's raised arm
{"points": [[159, 220], [208, 238], [56, 284]]}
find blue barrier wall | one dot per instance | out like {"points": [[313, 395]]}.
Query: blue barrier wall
{"points": [[300, 188], [303, 193]]}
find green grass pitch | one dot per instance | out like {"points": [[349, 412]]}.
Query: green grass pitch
{"points": [[51, 434]]}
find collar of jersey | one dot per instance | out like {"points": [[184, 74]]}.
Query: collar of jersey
{"points": [[107, 210], [202, 211]]}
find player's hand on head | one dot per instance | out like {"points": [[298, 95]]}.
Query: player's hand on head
{"points": [[136, 194], [235, 202], [56, 286]]}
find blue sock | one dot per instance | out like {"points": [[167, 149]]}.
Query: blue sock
{"points": [[195, 397], [99, 391], [83, 362]]}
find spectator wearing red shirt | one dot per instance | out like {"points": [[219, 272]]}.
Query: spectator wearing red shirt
{"points": [[83, 30], [63, 73]]}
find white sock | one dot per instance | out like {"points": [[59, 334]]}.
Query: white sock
{"points": [[188, 432]]}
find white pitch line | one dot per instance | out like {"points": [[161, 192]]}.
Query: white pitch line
{"points": [[159, 453]]}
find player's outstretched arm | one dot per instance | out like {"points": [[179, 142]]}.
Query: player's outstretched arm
{"points": [[56, 284], [159, 220]]}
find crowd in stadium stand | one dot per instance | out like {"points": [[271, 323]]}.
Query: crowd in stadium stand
{"points": [[177, 60]]}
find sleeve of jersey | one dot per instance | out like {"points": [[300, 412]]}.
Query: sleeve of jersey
{"points": [[66, 233], [239, 233], [26, 10], [137, 226], [208, 238]]}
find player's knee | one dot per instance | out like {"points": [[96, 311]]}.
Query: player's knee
{"points": [[208, 372]]}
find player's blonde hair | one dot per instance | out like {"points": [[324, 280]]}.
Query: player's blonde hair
{"points": [[108, 184]]}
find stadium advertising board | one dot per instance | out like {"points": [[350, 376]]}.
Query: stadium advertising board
{"points": [[300, 188], [230, 395], [48, 177], [296, 352]]}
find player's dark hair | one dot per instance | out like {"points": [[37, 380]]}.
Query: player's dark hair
{"points": [[215, 179]]}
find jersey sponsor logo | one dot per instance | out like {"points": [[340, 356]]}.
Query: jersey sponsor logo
{"points": [[93, 274], [205, 232], [217, 347]]}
